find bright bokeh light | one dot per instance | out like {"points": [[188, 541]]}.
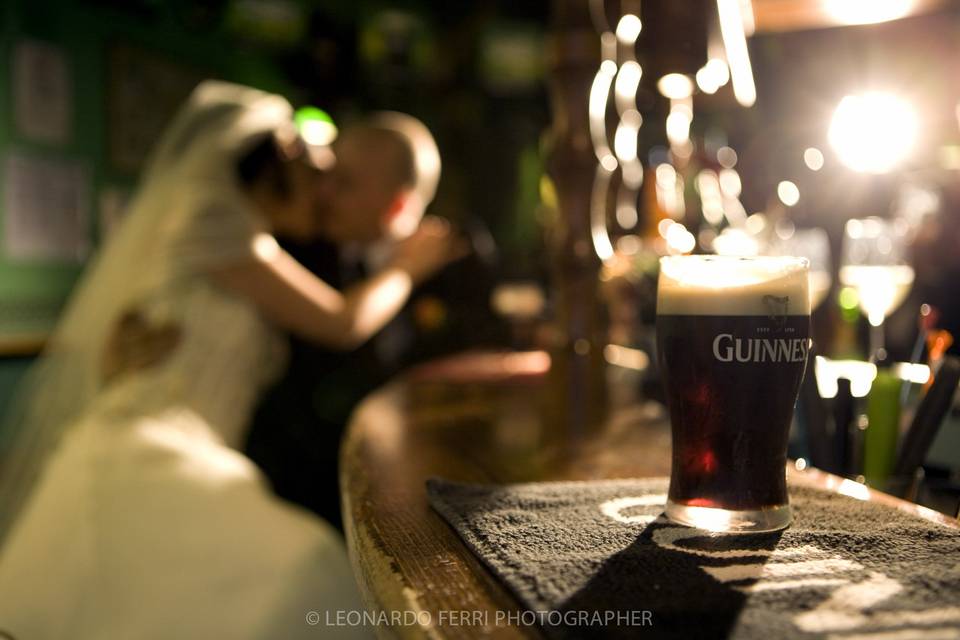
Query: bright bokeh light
{"points": [[678, 126], [867, 11], [666, 174], [628, 29], [711, 198], [860, 374], [730, 183], [675, 86], [713, 75], [873, 132], [599, 94], [756, 223], [734, 36], [703, 81], [813, 158], [628, 80], [626, 357], [315, 126], [735, 242], [911, 372], [625, 138], [632, 174], [880, 288], [663, 226], [517, 300], [854, 489], [679, 240], [788, 193], [670, 190], [318, 132]]}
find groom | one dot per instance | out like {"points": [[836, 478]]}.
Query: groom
{"points": [[386, 174]]}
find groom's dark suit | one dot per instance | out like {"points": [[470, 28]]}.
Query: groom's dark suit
{"points": [[297, 428]]}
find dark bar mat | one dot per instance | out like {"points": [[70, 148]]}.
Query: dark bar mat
{"points": [[590, 558]]}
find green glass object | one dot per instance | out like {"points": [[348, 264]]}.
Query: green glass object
{"points": [[315, 125], [880, 440]]}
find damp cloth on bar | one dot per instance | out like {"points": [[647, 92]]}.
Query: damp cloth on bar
{"points": [[586, 557]]}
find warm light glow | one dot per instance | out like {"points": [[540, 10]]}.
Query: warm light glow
{"points": [[813, 158], [632, 174], [756, 223], [628, 245], [627, 217], [784, 228], [598, 212], [867, 11], [266, 247], [628, 29], [912, 372], [625, 88], [730, 183], [735, 242], [711, 200], [679, 240], [520, 300], [626, 357], [749, 20], [666, 175], [625, 138], [735, 43], [879, 288], [597, 109], [713, 75], [860, 374], [703, 81], [315, 125], [675, 86], [709, 519], [727, 157], [678, 126], [670, 190], [664, 226], [873, 132], [788, 193], [950, 157], [318, 132], [854, 489]]}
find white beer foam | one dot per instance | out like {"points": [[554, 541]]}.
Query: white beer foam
{"points": [[733, 286]]}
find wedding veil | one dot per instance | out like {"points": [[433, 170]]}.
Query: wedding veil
{"points": [[195, 161]]}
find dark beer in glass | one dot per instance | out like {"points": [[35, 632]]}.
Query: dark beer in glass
{"points": [[733, 336]]}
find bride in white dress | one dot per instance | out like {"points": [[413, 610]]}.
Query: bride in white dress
{"points": [[126, 510]]}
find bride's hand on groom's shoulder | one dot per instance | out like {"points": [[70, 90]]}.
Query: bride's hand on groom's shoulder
{"points": [[134, 344]]}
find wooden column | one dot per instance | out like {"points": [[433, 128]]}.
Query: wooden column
{"points": [[575, 402]]}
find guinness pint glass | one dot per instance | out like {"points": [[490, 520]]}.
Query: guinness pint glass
{"points": [[732, 341]]}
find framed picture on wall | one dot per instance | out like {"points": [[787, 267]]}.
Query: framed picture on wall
{"points": [[144, 91]]}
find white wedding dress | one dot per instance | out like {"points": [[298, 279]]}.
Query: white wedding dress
{"points": [[146, 521]]}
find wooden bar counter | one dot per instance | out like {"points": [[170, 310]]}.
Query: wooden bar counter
{"points": [[476, 418]]}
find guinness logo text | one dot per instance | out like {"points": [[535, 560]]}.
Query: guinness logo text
{"points": [[726, 348]]}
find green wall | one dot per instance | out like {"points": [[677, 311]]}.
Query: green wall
{"points": [[92, 37]]}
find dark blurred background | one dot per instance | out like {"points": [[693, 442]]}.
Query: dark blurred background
{"points": [[86, 87]]}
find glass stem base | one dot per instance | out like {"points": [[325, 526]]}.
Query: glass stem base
{"points": [[727, 520]]}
